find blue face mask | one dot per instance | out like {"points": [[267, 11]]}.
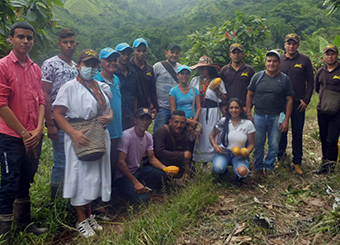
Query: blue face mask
{"points": [[88, 72]]}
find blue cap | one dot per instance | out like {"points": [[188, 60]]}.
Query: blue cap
{"points": [[181, 68], [122, 46], [106, 52], [139, 41]]}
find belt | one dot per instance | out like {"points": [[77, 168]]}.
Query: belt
{"points": [[209, 104]]}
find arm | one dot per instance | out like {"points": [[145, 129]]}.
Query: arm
{"points": [[289, 109], [251, 142], [154, 161], [310, 82], [317, 81], [121, 164], [52, 131], [106, 119], [193, 122], [212, 137], [249, 105], [172, 101], [153, 93]]}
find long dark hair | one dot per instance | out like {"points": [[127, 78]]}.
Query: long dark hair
{"points": [[212, 72], [225, 132]]}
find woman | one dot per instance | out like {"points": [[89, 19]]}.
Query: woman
{"points": [[236, 131], [182, 97], [210, 97], [83, 99]]}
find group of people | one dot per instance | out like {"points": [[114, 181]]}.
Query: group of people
{"points": [[98, 119]]}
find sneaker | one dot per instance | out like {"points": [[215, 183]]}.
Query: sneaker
{"points": [[85, 229], [298, 169], [94, 224]]}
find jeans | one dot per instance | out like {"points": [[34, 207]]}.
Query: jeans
{"points": [[17, 171], [221, 162], [297, 122], [58, 169], [161, 119], [329, 127], [148, 176], [266, 124]]}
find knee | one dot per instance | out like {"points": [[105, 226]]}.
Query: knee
{"points": [[242, 171]]}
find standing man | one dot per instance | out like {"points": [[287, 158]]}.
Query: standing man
{"points": [[269, 90], [22, 107], [108, 61], [146, 76], [55, 72], [166, 79], [328, 77], [299, 69], [129, 87], [236, 75]]}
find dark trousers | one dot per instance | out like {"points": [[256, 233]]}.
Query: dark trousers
{"points": [[114, 156], [148, 176], [297, 122], [17, 171], [127, 123], [329, 127]]}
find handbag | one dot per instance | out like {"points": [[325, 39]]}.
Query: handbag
{"points": [[330, 102]]}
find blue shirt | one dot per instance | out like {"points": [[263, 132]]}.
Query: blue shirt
{"points": [[115, 126], [184, 101]]}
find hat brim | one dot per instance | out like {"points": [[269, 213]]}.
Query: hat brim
{"points": [[129, 48], [205, 65]]}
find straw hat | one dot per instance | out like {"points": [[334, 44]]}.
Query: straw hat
{"points": [[205, 61]]}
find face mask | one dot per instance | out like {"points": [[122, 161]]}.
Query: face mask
{"points": [[88, 72]]}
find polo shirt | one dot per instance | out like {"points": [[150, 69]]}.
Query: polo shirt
{"points": [[147, 84], [21, 91], [300, 71], [236, 82], [332, 81], [115, 126]]}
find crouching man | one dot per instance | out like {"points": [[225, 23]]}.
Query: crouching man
{"points": [[131, 179]]}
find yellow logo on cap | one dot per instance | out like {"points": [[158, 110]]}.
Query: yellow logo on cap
{"points": [[330, 46], [244, 74], [140, 39], [145, 110], [91, 52], [109, 50], [148, 74], [291, 35], [336, 77], [236, 45], [298, 65]]}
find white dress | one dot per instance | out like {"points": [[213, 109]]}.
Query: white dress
{"points": [[84, 181], [203, 151]]}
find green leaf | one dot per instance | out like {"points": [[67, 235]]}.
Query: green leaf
{"points": [[337, 41], [19, 3], [58, 3], [323, 43], [31, 15]]}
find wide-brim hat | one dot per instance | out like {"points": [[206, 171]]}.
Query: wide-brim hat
{"points": [[205, 61]]}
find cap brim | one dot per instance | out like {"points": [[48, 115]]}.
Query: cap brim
{"points": [[109, 54], [129, 48]]}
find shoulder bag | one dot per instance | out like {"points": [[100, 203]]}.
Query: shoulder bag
{"points": [[330, 101]]}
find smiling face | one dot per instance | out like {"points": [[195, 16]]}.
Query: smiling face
{"points": [[172, 55], [184, 76], [331, 57], [272, 63], [109, 64], [177, 123], [22, 41], [203, 71], [235, 109], [291, 47]]}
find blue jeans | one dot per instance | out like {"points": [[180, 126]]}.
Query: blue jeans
{"points": [[161, 119], [297, 122], [266, 124], [148, 176], [58, 169], [221, 162]]}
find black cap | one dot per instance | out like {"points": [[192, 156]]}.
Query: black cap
{"points": [[143, 111], [173, 45]]}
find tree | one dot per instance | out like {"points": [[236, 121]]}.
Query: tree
{"points": [[333, 6]]}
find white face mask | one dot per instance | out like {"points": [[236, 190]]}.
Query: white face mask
{"points": [[88, 72]]}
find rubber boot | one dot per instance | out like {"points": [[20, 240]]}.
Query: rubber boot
{"points": [[5, 227], [326, 167], [22, 216]]}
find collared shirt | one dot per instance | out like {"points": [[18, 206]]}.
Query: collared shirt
{"points": [[300, 71], [21, 91], [147, 84], [129, 90], [332, 81], [236, 82]]}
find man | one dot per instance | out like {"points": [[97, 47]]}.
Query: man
{"points": [[299, 69], [269, 90], [146, 76], [237, 74], [108, 61], [55, 72], [129, 87], [166, 79], [172, 145], [22, 107], [131, 179], [329, 123]]}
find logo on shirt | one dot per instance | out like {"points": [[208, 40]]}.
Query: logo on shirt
{"points": [[298, 65], [149, 74], [244, 74], [336, 77]]}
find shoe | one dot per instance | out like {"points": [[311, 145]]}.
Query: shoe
{"points": [[5, 228], [326, 167], [94, 224], [298, 169], [85, 229]]}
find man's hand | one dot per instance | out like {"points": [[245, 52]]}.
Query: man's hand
{"points": [[34, 140], [250, 117], [217, 148], [52, 132], [302, 106], [187, 155], [79, 138], [284, 126], [139, 188], [105, 120]]}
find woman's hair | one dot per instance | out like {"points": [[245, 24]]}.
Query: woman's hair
{"points": [[225, 131], [212, 72]]}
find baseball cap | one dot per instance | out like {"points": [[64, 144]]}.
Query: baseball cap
{"points": [[106, 52], [87, 54], [331, 47], [122, 46], [142, 111], [139, 41], [273, 52], [172, 46], [236, 46], [181, 68], [292, 36]]}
